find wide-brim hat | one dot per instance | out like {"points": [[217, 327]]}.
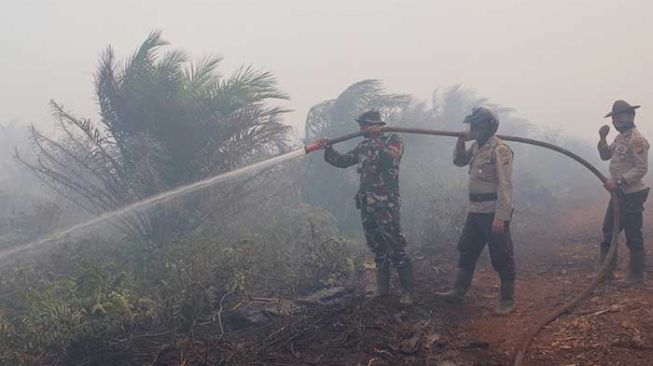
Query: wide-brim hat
{"points": [[621, 106], [371, 117]]}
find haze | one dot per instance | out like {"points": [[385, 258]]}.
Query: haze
{"points": [[557, 63]]}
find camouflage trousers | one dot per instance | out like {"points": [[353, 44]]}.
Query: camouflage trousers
{"points": [[476, 233], [382, 227]]}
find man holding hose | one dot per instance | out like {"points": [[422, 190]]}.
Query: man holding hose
{"points": [[377, 158], [490, 211], [628, 156]]}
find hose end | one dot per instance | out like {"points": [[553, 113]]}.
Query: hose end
{"points": [[312, 147]]}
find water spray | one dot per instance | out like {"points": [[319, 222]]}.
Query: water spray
{"points": [[147, 203], [605, 266]]}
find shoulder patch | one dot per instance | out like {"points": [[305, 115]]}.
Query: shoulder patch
{"points": [[504, 154], [394, 144], [640, 145], [395, 149]]}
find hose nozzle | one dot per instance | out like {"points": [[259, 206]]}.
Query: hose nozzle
{"points": [[315, 146], [312, 147]]}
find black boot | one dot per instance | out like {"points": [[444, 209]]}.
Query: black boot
{"points": [[463, 281], [383, 278], [507, 298], [635, 267], [407, 281], [613, 263]]}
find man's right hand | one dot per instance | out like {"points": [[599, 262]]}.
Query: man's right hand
{"points": [[603, 131], [465, 136], [322, 143], [318, 144], [611, 185]]}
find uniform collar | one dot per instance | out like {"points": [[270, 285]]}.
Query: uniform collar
{"points": [[630, 132], [490, 143]]}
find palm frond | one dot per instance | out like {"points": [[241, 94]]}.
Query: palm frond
{"points": [[202, 74], [245, 135], [172, 61], [252, 85], [107, 89], [356, 98], [318, 119], [140, 66]]}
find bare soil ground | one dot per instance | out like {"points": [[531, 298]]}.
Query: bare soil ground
{"points": [[613, 327]]}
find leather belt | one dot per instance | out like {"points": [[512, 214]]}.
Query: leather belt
{"points": [[483, 197]]}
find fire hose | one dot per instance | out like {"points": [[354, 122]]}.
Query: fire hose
{"points": [[605, 266]]}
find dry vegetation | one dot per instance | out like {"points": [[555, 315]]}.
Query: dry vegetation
{"points": [[204, 266]]}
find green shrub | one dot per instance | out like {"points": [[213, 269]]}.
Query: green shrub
{"points": [[72, 314]]}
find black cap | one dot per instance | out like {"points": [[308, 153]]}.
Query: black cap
{"points": [[371, 117]]}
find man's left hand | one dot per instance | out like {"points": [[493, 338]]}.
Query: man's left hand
{"points": [[498, 226], [611, 185]]}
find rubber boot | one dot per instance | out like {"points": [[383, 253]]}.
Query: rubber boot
{"points": [[383, 278], [635, 268], [507, 297], [407, 281], [460, 287], [613, 264]]}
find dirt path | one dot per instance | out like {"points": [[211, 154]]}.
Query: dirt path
{"points": [[614, 327]]}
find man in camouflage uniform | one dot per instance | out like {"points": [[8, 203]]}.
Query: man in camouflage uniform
{"points": [[490, 211], [628, 156], [377, 158]]}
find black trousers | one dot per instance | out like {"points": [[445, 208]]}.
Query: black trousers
{"points": [[632, 208], [476, 233]]}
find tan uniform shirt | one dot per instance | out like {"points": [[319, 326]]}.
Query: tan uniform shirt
{"points": [[490, 171], [628, 156]]}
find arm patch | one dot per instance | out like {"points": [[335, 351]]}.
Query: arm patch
{"points": [[394, 149], [505, 154]]}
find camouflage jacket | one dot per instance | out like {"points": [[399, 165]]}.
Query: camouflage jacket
{"points": [[377, 162]]}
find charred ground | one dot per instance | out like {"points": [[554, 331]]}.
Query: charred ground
{"points": [[614, 327]]}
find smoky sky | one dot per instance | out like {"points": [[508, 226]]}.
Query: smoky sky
{"points": [[557, 63]]}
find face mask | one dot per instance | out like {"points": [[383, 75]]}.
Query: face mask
{"points": [[481, 135], [364, 128], [623, 123], [623, 126]]}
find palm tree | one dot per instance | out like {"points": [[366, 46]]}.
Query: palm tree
{"points": [[164, 121], [336, 116]]}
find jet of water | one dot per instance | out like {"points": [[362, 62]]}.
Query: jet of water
{"points": [[151, 201]]}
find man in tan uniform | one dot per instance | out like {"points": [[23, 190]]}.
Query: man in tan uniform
{"points": [[490, 211], [628, 156]]}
